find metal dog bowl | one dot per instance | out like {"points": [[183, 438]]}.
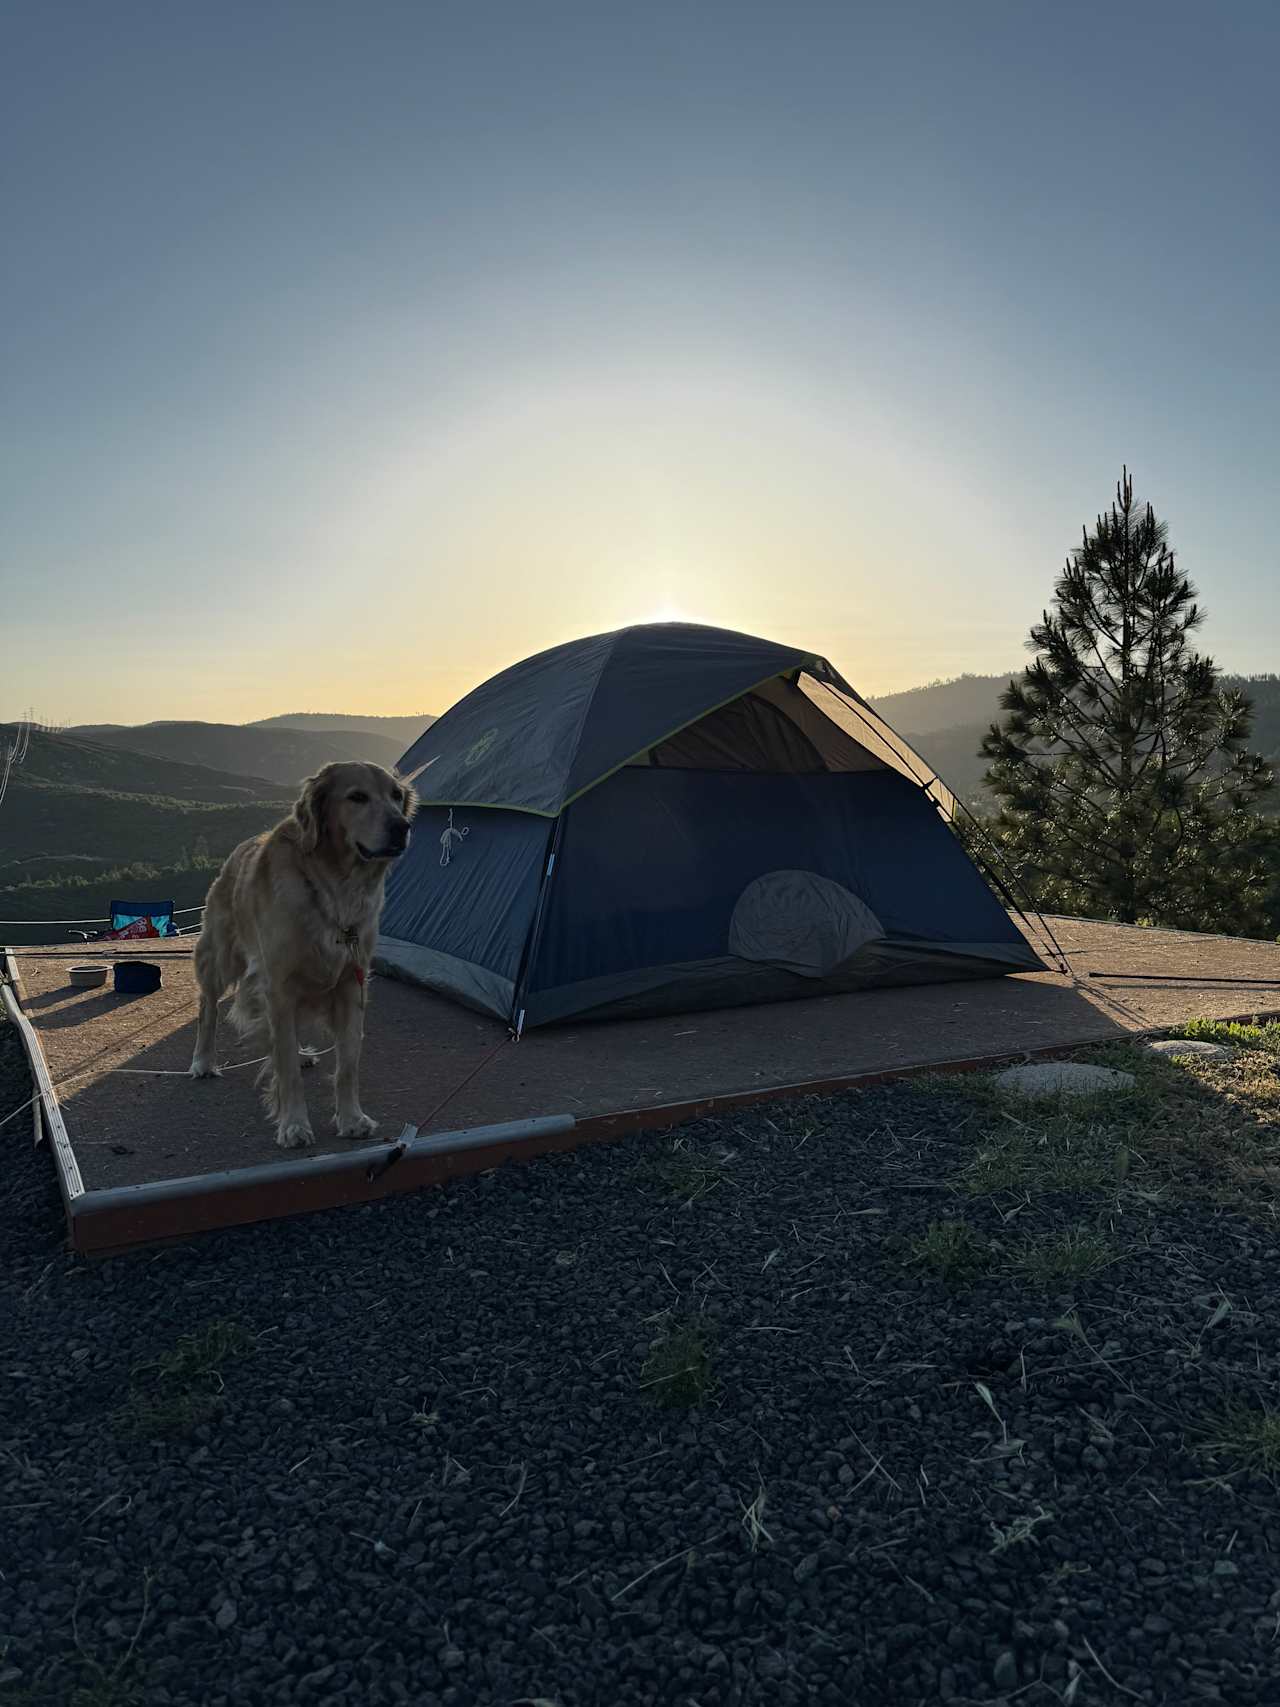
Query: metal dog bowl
{"points": [[88, 977]]}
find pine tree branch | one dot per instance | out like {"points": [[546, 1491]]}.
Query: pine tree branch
{"points": [[1099, 840], [1101, 764], [1103, 662], [1058, 786]]}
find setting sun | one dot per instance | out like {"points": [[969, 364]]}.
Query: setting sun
{"points": [[667, 613]]}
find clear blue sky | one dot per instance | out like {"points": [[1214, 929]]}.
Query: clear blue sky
{"points": [[352, 351]]}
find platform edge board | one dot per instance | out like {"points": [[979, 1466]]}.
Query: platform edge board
{"points": [[373, 1160], [70, 1182], [124, 1217]]}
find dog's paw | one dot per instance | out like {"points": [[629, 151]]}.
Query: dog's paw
{"points": [[204, 1069], [294, 1134], [308, 1057], [356, 1124]]}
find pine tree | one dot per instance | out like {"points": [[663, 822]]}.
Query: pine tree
{"points": [[1121, 764]]}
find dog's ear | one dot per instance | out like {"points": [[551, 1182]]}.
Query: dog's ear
{"points": [[407, 782], [410, 793], [417, 772], [310, 809]]}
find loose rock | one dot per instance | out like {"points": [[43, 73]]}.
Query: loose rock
{"points": [[1193, 1048], [1062, 1078]]}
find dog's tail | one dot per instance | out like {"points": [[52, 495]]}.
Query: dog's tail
{"points": [[248, 1010], [268, 1088]]}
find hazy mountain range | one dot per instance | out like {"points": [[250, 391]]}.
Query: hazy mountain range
{"points": [[280, 749], [402, 730]]}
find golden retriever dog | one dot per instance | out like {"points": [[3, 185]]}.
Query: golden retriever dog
{"points": [[291, 921]]}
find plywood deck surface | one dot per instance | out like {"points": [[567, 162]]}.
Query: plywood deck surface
{"points": [[134, 1116]]}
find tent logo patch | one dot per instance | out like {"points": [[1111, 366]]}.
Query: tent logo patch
{"points": [[478, 749]]}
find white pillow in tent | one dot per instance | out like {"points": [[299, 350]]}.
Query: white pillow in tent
{"points": [[802, 922]]}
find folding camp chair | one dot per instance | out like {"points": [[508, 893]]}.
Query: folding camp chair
{"points": [[132, 919]]}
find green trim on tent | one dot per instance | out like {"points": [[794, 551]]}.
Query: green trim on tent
{"points": [[494, 806], [773, 676]]}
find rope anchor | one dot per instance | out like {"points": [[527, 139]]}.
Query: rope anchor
{"points": [[448, 836]]}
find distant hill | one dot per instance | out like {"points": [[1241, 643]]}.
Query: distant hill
{"points": [[84, 821], [61, 831], [943, 705], [74, 760], [280, 754], [945, 722], [401, 730]]}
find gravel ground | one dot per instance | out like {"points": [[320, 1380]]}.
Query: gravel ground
{"points": [[416, 1452]]}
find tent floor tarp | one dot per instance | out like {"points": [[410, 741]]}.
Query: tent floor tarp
{"points": [[134, 1120]]}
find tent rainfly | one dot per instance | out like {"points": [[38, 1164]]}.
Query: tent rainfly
{"points": [[674, 817]]}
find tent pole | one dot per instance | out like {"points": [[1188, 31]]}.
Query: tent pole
{"points": [[535, 931]]}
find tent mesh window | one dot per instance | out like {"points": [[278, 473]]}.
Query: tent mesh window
{"points": [[775, 728]]}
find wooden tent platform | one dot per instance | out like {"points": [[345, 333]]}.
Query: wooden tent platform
{"points": [[145, 1153]]}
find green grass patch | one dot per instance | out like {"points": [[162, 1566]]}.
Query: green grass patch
{"points": [[1246, 1435], [1234, 1033], [1071, 1255], [1020, 1532], [203, 1353], [682, 1172], [952, 1250], [677, 1372], [182, 1387]]}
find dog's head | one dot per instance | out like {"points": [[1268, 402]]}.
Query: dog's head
{"points": [[356, 812]]}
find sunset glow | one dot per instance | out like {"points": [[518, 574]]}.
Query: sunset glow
{"points": [[771, 332]]}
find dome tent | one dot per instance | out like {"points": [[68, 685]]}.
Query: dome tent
{"points": [[673, 817]]}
